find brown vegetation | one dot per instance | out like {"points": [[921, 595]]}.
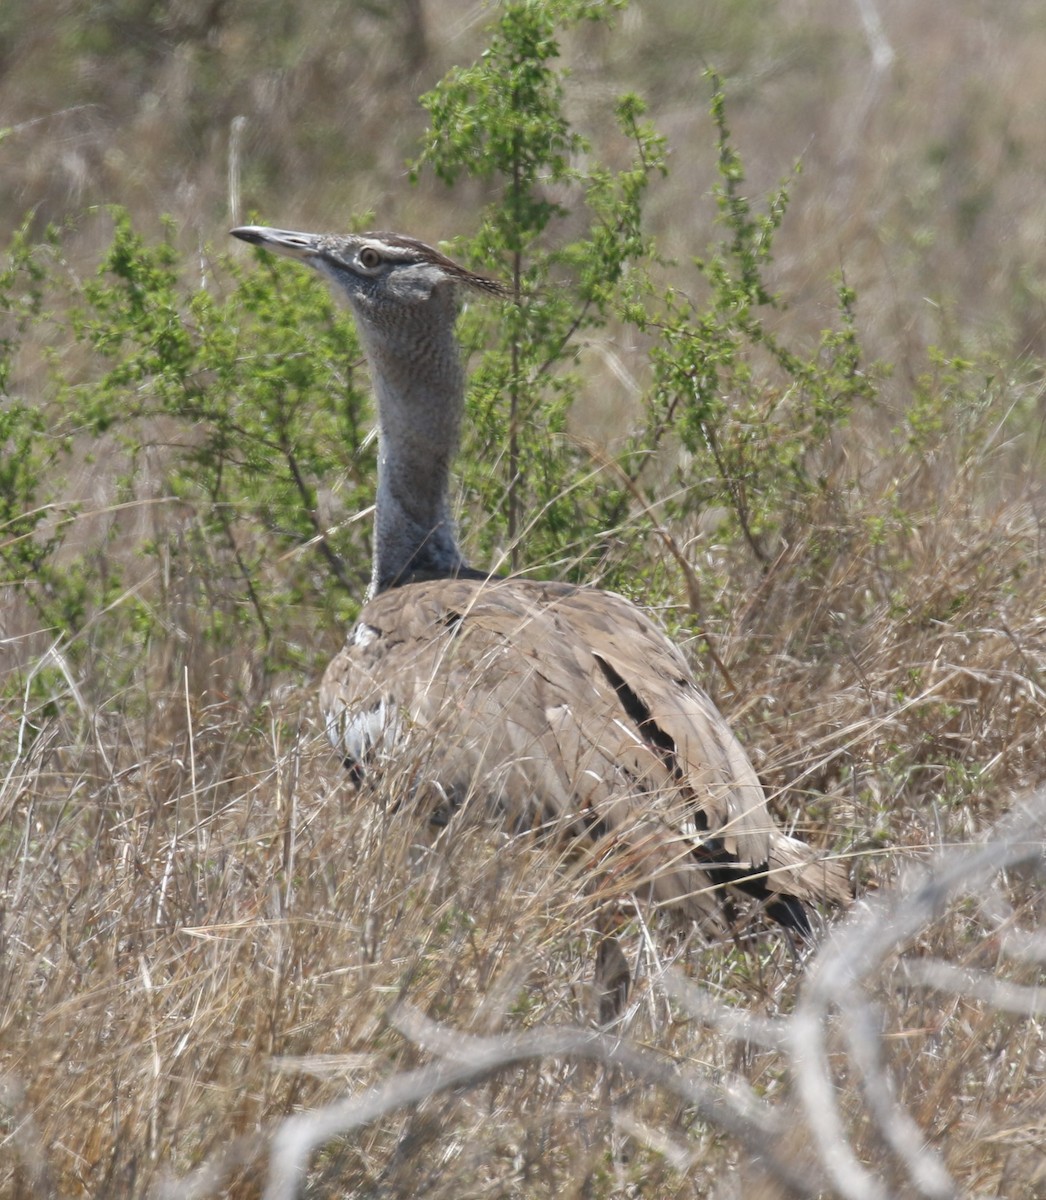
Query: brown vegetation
{"points": [[206, 929]]}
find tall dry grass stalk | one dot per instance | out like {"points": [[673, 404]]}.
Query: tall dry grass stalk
{"points": [[228, 971]]}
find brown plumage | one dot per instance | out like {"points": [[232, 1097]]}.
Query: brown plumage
{"points": [[564, 708], [567, 707]]}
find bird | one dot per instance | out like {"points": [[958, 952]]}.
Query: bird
{"points": [[565, 707]]}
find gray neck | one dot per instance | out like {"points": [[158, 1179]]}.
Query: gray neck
{"points": [[420, 393]]}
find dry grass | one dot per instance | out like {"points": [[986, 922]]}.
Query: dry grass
{"points": [[207, 930]]}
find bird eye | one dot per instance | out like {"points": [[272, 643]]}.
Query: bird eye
{"points": [[370, 258]]}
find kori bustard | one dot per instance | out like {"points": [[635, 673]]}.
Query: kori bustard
{"points": [[565, 707]]}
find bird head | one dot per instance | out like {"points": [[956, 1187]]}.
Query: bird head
{"points": [[386, 277]]}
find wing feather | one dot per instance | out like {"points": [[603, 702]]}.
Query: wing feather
{"points": [[567, 707]]}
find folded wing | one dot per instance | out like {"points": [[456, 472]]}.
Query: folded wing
{"points": [[569, 710]]}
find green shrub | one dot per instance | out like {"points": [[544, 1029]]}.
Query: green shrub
{"points": [[236, 405]]}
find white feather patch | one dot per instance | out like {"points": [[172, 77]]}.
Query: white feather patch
{"points": [[366, 734], [364, 634]]}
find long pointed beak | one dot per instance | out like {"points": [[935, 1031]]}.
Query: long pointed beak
{"points": [[283, 241]]}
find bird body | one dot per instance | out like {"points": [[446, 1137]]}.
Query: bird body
{"points": [[565, 708]]}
